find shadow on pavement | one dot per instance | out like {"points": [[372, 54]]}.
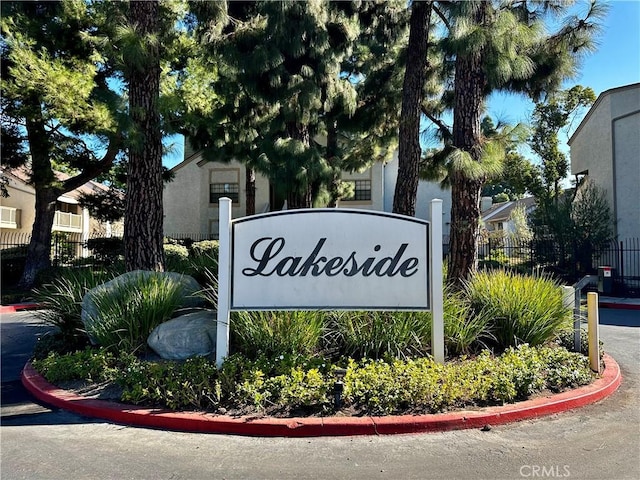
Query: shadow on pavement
{"points": [[619, 317], [19, 408]]}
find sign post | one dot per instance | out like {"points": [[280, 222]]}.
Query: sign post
{"points": [[437, 299], [224, 281]]}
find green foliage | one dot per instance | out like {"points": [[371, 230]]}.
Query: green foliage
{"points": [[175, 252], [104, 205], [326, 68], [465, 331], [293, 386], [205, 247], [125, 316], [106, 250], [376, 334], [54, 84], [190, 384], [12, 261], [94, 365], [62, 298], [592, 221], [276, 333], [524, 309], [56, 342], [549, 119], [423, 385]]}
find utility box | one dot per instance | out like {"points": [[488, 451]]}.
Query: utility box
{"points": [[605, 280]]}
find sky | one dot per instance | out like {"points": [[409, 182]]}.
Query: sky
{"points": [[615, 63]]}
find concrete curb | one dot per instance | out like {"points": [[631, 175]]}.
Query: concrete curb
{"points": [[322, 426]]}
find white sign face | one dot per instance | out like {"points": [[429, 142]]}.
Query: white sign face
{"points": [[329, 259]]}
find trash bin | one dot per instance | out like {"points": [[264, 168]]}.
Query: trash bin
{"points": [[605, 280]]}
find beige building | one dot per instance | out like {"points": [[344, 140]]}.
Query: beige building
{"points": [[606, 148], [17, 213], [190, 201]]}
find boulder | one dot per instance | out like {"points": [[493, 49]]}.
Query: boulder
{"points": [[129, 280], [190, 335]]}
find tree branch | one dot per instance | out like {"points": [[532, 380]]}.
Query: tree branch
{"points": [[442, 127], [442, 17], [92, 171]]}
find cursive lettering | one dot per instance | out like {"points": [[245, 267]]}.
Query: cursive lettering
{"points": [[266, 253]]}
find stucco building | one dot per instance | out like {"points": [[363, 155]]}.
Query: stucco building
{"points": [[606, 148], [190, 201], [17, 213]]}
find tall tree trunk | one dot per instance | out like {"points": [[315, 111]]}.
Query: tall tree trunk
{"points": [[300, 194], [39, 249], [333, 160], [46, 194], [143, 210], [469, 87], [406, 191], [250, 185]]}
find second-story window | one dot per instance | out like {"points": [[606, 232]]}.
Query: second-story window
{"points": [[361, 191], [219, 190]]}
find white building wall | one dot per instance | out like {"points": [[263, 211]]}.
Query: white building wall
{"points": [[591, 147], [607, 145], [427, 191], [626, 133], [181, 200]]}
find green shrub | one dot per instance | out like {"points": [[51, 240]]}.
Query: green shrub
{"points": [[106, 250], [284, 384], [272, 334], [57, 343], [12, 261], [203, 268], [177, 251], [126, 315], [62, 298], [205, 247], [465, 331], [377, 334], [176, 385], [95, 365], [564, 369], [524, 309]]}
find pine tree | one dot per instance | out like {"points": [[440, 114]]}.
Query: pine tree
{"points": [[57, 108], [148, 49], [498, 46], [143, 209], [404, 199], [290, 73]]}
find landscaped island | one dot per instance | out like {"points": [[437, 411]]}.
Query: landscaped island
{"points": [[506, 339]]}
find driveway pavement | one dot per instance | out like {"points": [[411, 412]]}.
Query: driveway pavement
{"points": [[600, 441]]}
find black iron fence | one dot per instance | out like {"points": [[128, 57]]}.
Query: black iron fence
{"points": [[67, 247], [569, 262]]}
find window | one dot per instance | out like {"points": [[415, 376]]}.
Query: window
{"points": [[219, 190], [361, 191]]}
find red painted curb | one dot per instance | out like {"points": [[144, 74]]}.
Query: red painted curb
{"points": [[620, 306], [18, 307], [322, 426]]}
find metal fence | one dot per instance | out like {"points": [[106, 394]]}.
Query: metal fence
{"points": [[67, 247], [569, 262]]}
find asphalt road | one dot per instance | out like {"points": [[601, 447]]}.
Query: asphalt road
{"points": [[600, 441]]}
